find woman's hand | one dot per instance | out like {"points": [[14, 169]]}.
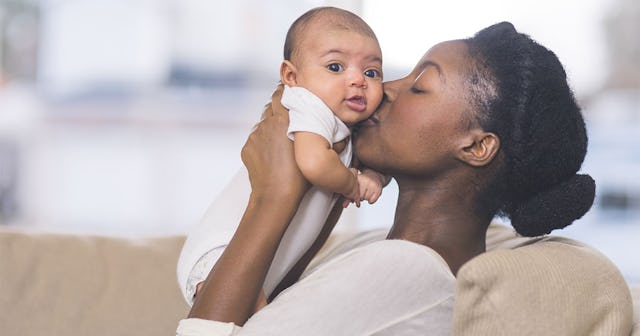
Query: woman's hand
{"points": [[269, 157]]}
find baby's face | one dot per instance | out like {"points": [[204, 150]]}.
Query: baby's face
{"points": [[344, 69]]}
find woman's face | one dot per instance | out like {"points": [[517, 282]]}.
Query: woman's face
{"points": [[419, 125]]}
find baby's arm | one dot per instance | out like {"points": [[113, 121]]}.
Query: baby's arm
{"points": [[322, 167]]}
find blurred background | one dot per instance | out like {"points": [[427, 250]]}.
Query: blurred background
{"points": [[126, 117]]}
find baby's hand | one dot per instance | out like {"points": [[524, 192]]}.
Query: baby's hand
{"points": [[371, 184]]}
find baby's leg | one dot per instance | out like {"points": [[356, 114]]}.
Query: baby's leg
{"points": [[207, 240]]}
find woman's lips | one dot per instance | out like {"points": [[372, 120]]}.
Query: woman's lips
{"points": [[357, 103]]}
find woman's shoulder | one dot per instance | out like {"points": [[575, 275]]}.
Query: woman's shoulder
{"points": [[342, 242], [365, 285], [372, 246]]}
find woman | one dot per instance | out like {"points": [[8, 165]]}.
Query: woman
{"points": [[481, 127]]}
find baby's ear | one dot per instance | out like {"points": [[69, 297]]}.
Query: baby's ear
{"points": [[288, 73]]}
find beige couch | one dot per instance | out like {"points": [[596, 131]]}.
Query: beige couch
{"points": [[70, 285]]}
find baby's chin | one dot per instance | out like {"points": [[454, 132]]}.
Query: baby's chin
{"points": [[355, 123], [353, 118]]}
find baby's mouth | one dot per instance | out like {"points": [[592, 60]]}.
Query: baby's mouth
{"points": [[357, 103]]}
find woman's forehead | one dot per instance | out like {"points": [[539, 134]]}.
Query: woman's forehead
{"points": [[446, 56], [445, 50]]}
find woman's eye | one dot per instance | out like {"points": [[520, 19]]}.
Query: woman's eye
{"points": [[334, 67], [416, 90], [372, 73]]}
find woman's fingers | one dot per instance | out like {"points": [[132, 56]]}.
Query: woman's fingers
{"points": [[265, 112], [268, 110], [268, 153], [276, 105]]}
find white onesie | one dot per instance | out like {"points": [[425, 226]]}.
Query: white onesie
{"points": [[208, 239]]}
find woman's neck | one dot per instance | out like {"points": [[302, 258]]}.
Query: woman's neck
{"points": [[442, 219]]}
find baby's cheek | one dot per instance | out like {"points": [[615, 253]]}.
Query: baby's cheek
{"points": [[376, 98]]}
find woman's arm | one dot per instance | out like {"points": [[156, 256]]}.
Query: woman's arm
{"points": [[232, 288]]}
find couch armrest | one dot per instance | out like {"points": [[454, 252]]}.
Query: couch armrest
{"points": [[553, 286], [54, 284]]}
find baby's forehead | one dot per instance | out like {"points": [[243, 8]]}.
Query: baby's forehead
{"points": [[326, 22], [320, 31], [335, 40], [324, 26]]}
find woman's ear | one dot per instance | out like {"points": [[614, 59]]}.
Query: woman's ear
{"points": [[288, 73], [480, 148]]}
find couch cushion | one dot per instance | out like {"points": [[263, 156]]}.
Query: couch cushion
{"points": [[635, 294], [543, 286], [78, 285]]}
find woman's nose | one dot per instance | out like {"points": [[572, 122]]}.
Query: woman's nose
{"points": [[390, 90]]}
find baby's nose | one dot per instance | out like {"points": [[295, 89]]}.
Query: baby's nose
{"points": [[356, 78]]}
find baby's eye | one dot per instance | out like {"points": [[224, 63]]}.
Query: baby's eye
{"points": [[372, 73], [334, 67]]}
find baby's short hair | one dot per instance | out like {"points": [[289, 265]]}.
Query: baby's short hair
{"points": [[335, 17]]}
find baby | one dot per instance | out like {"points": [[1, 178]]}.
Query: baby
{"points": [[332, 71], [333, 80]]}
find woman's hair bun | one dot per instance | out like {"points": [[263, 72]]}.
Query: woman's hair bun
{"points": [[554, 208]]}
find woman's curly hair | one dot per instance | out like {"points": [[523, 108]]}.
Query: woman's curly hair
{"points": [[519, 91]]}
